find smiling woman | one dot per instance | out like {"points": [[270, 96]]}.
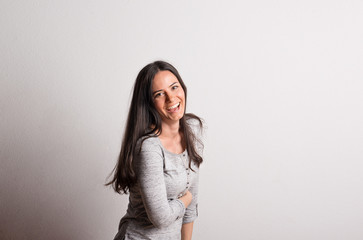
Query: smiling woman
{"points": [[159, 159]]}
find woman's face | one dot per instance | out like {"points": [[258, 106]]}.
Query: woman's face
{"points": [[168, 96]]}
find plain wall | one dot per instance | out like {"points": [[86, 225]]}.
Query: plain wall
{"points": [[279, 84]]}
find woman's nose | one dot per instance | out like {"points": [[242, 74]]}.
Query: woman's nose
{"points": [[169, 97]]}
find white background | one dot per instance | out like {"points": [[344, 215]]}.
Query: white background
{"points": [[279, 84]]}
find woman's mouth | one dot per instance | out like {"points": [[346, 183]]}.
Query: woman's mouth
{"points": [[174, 108]]}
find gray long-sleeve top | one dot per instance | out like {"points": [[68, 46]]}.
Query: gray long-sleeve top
{"points": [[154, 210]]}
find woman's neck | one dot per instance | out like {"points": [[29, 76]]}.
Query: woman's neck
{"points": [[170, 130], [172, 138]]}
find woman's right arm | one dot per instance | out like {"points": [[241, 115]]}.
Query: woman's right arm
{"points": [[161, 211]]}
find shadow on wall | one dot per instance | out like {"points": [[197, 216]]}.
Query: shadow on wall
{"points": [[30, 211], [53, 165], [46, 198]]}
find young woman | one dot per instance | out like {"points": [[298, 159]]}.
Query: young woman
{"points": [[159, 160]]}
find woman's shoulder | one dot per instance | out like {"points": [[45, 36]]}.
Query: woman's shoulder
{"points": [[195, 123], [148, 152], [197, 126], [149, 143]]}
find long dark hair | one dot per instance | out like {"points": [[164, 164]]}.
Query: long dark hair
{"points": [[144, 121]]}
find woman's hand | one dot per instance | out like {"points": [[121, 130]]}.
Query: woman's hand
{"points": [[186, 198]]}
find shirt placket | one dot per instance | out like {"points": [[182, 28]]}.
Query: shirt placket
{"points": [[184, 159]]}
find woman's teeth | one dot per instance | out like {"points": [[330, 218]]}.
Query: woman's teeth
{"points": [[174, 106]]}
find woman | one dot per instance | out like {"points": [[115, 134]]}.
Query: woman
{"points": [[159, 160]]}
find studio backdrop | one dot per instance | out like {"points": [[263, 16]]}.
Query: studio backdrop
{"points": [[278, 83]]}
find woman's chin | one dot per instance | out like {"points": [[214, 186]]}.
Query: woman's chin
{"points": [[172, 119]]}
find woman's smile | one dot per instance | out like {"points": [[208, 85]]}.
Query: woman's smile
{"points": [[173, 108]]}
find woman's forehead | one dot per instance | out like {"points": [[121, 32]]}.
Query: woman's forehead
{"points": [[163, 80]]}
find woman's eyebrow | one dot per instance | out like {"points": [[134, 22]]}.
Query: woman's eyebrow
{"points": [[173, 84], [157, 91]]}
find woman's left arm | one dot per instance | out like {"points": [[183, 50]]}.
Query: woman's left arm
{"points": [[186, 231], [191, 212]]}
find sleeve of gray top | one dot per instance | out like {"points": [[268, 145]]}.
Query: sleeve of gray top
{"points": [[161, 212], [191, 212]]}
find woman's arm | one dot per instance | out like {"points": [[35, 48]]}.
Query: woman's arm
{"points": [[186, 231], [161, 211], [191, 212]]}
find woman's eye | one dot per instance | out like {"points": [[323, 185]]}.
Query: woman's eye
{"points": [[174, 87], [158, 95]]}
